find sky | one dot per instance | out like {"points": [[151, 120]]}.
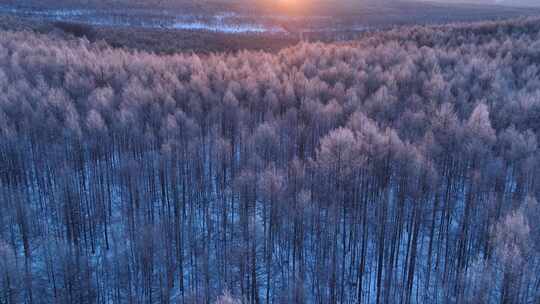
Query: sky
{"points": [[501, 2]]}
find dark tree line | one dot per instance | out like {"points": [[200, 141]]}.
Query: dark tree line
{"points": [[401, 168]]}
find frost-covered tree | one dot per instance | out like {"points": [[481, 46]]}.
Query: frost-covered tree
{"points": [[399, 168]]}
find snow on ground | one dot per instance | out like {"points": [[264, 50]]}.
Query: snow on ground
{"points": [[226, 22]]}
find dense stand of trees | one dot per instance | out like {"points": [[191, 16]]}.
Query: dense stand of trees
{"points": [[402, 168]]}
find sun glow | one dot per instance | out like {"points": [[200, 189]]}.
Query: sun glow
{"points": [[294, 7]]}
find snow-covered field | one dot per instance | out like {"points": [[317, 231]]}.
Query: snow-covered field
{"points": [[250, 21], [226, 22]]}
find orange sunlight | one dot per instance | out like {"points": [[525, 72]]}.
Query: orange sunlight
{"points": [[293, 7], [296, 5]]}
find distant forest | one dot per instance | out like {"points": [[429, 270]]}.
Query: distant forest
{"points": [[400, 168]]}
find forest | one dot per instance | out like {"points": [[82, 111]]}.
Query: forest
{"points": [[402, 167]]}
